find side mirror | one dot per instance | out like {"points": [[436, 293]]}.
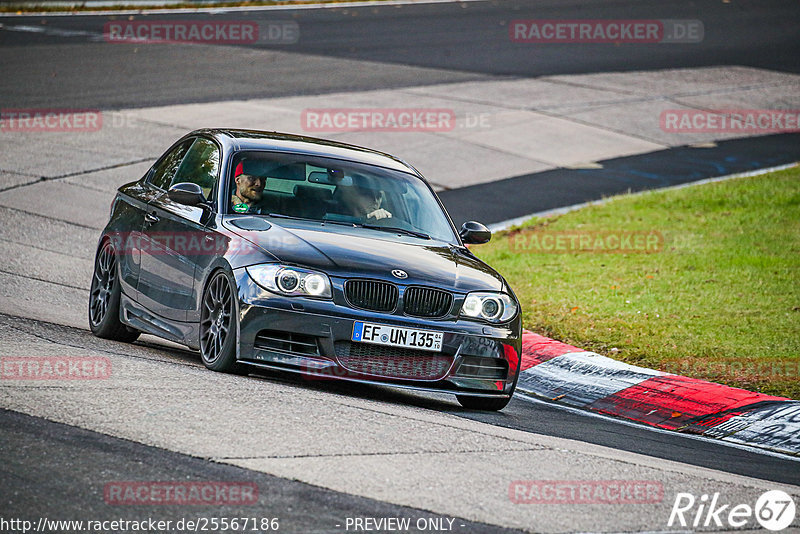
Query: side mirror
{"points": [[474, 233], [187, 193]]}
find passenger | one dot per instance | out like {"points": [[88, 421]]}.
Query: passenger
{"points": [[367, 203], [248, 195], [364, 199]]}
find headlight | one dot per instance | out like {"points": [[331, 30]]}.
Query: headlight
{"points": [[287, 280], [489, 306], [316, 285]]}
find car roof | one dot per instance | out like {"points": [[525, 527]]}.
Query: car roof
{"points": [[235, 139]]}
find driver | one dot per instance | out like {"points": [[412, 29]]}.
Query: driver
{"points": [[248, 195]]}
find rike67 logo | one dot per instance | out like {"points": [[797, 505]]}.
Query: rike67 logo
{"points": [[774, 510]]}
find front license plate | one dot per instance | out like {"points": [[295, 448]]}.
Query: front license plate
{"points": [[395, 336]]}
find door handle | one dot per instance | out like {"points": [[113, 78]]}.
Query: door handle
{"points": [[150, 218]]}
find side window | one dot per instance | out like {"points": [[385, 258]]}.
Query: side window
{"points": [[200, 166], [167, 167]]}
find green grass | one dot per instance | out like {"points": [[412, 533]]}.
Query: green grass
{"points": [[719, 301]]}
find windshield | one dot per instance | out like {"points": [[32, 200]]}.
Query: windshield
{"points": [[289, 185]]}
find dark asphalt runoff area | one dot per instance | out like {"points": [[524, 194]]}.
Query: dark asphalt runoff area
{"points": [[59, 472], [518, 196]]}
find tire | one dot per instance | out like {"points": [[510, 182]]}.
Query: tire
{"points": [[492, 404], [104, 297], [482, 403], [218, 336]]}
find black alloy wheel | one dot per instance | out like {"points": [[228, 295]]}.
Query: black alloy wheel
{"points": [[217, 329], [104, 297]]}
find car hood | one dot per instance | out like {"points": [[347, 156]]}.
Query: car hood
{"points": [[344, 251]]}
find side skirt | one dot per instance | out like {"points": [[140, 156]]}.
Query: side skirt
{"points": [[137, 316]]}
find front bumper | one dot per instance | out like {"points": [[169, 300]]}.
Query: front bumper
{"points": [[313, 337]]}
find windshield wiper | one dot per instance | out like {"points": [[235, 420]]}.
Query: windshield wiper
{"points": [[323, 221], [393, 229], [282, 216], [396, 229]]}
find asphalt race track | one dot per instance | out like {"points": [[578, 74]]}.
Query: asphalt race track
{"points": [[320, 453], [347, 49], [62, 463]]}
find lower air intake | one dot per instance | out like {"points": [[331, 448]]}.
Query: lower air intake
{"points": [[279, 341], [478, 367], [391, 362]]}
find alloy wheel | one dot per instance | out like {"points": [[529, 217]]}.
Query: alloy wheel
{"points": [[216, 315], [105, 273]]}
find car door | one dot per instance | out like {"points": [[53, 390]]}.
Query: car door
{"points": [[175, 235], [128, 213], [202, 167]]}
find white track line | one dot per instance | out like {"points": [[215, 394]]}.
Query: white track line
{"points": [[233, 9]]}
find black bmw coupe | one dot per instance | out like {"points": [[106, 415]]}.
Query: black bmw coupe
{"points": [[268, 250]]}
